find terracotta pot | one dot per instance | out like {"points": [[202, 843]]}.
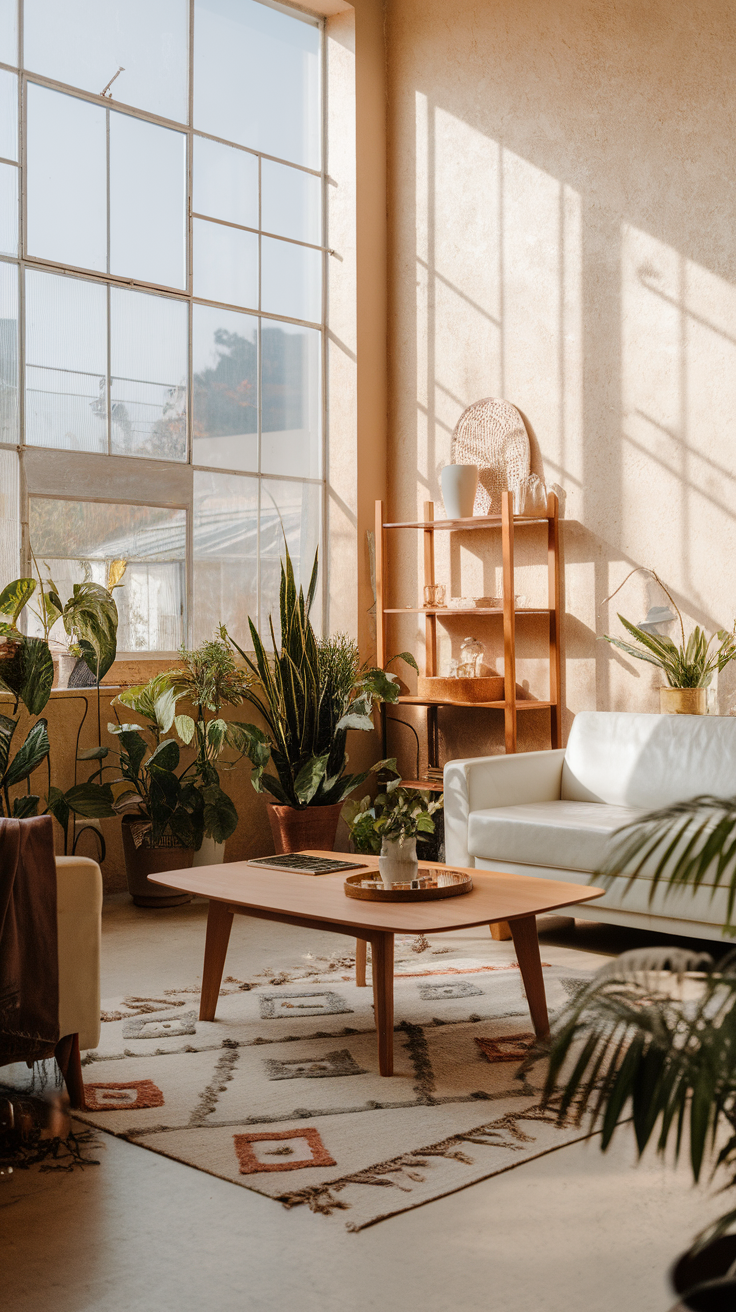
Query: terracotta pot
{"points": [[140, 862], [313, 827], [683, 701]]}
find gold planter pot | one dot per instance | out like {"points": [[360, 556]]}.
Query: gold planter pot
{"points": [[683, 701]]}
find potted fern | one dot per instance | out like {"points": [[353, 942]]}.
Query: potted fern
{"points": [[309, 694]]}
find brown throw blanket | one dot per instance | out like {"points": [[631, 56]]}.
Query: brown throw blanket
{"points": [[29, 968]]}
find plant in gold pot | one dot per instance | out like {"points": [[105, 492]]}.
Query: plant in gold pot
{"points": [[689, 667], [309, 693]]}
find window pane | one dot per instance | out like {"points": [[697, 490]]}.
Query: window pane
{"points": [[147, 201], [9, 31], [291, 280], [291, 202], [84, 42], [8, 114], [225, 264], [290, 510], [225, 554], [9, 515], [67, 214], [8, 353], [291, 400], [225, 389], [69, 535], [8, 209], [148, 355], [225, 182], [66, 362], [257, 78]]}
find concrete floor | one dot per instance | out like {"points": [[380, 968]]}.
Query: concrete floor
{"points": [[575, 1231]]}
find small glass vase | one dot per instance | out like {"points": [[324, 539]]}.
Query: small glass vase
{"points": [[398, 862]]}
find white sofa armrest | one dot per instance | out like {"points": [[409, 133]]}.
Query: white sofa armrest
{"points": [[479, 782], [78, 921]]}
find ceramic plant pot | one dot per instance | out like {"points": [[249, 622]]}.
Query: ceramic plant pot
{"points": [[209, 854], [683, 701], [398, 862], [140, 862], [459, 484], [303, 829]]}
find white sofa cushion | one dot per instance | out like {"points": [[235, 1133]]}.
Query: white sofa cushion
{"points": [[648, 761], [567, 835]]}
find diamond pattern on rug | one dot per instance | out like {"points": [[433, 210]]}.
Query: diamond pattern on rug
{"points": [[512, 1047], [128, 1096], [287, 1005], [252, 1151], [140, 1027], [331, 1065], [462, 988]]}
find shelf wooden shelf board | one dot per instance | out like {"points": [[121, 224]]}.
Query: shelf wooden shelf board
{"points": [[476, 521], [525, 705], [459, 610], [428, 785]]}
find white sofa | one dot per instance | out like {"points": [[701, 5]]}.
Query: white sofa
{"points": [[550, 814]]}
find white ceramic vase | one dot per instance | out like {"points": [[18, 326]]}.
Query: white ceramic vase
{"points": [[210, 853], [398, 863], [459, 484]]}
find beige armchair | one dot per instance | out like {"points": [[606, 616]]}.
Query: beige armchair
{"points": [[78, 918]]}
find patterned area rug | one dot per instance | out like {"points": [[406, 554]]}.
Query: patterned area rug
{"points": [[280, 1094]]}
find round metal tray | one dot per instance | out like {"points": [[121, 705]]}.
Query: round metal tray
{"points": [[432, 882]]}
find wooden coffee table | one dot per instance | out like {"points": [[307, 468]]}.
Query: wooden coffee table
{"points": [[319, 902]]}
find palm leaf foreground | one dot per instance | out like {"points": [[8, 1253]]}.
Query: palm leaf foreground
{"points": [[653, 1036]]}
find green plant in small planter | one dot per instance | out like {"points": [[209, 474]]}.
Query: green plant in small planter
{"points": [[310, 694], [210, 678], [686, 668], [390, 824], [162, 810]]}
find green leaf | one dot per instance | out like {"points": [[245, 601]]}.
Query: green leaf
{"points": [[29, 675], [133, 745], [25, 806], [353, 721], [184, 727], [382, 687], [184, 827], [405, 656], [216, 731], [93, 754], [34, 750], [57, 806], [15, 596], [91, 613], [91, 800], [220, 816], [309, 778], [165, 757], [7, 729]]}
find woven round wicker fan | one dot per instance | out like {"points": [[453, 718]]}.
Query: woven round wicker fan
{"points": [[491, 435]]}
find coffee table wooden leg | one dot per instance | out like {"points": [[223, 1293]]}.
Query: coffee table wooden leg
{"points": [[501, 930], [382, 953], [361, 952], [219, 924], [524, 934]]}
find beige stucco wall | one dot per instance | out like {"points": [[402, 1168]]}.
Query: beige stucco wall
{"points": [[561, 233]]}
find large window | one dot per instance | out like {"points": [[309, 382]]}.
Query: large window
{"points": [[161, 302]]}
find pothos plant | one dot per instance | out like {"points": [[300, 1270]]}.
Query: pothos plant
{"points": [[310, 694], [394, 814]]}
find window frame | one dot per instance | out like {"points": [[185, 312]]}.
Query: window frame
{"points": [[66, 467]]}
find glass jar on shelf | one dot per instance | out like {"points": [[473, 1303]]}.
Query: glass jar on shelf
{"points": [[471, 658]]}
